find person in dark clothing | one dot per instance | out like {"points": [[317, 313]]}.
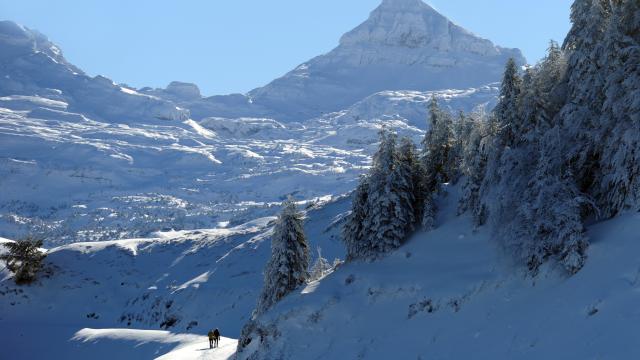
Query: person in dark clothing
{"points": [[216, 337], [212, 337]]}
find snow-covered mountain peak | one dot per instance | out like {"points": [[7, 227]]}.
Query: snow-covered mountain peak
{"points": [[403, 45], [403, 4], [17, 40], [415, 25]]}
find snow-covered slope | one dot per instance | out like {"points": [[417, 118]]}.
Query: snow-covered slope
{"points": [[184, 282], [68, 177], [448, 294]]}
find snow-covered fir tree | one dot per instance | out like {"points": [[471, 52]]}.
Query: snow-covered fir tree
{"points": [[462, 128], [504, 131], [409, 175], [440, 158], [383, 213], [440, 163], [473, 166], [287, 268], [581, 115], [546, 220], [506, 111], [354, 235], [388, 220], [619, 188], [556, 205]]}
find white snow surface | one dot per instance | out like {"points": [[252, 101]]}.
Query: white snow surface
{"points": [[446, 294], [188, 346], [450, 294], [68, 177], [184, 282]]}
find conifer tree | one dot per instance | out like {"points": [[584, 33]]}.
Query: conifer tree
{"points": [[383, 212], [354, 235], [287, 268], [586, 74], [410, 179], [619, 189], [438, 155], [473, 167], [549, 218], [387, 218], [505, 131], [506, 112], [24, 259]]}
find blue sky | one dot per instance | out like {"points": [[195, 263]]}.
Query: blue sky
{"points": [[228, 46]]}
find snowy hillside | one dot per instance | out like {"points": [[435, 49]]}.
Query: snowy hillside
{"points": [[444, 288], [183, 282], [449, 294]]}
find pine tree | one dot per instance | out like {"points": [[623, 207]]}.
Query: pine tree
{"points": [[24, 259], [354, 235], [620, 186], [474, 161], [586, 64], [287, 268], [383, 210], [550, 211], [439, 161], [504, 132], [387, 219], [462, 128], [506, 112], [409, 178]]}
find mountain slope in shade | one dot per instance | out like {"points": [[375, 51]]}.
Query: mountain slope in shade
{"points": [[404, 45]]}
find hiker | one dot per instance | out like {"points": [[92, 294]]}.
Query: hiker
{"points": [[216, 337], [212, 336]]}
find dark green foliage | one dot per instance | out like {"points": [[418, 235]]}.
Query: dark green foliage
{"points": [[24, 259]]}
